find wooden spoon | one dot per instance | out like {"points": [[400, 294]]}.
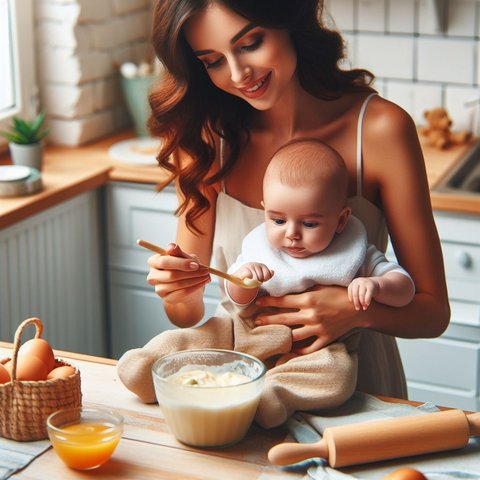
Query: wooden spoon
{"points": [[244, 283]]}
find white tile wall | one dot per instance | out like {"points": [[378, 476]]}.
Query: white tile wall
{"points": [[450, 60], [416, 98], [432, 16], [421, 57], [386, 56], [418, 65], [371, 15], [343, 13], [455, 98], [401, 17], [462, 18], [81, 44]]}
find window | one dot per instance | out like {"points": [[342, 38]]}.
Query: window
{"points": [[18, 94]]}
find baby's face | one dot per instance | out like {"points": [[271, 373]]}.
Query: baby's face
{"points": [[301, 221]]}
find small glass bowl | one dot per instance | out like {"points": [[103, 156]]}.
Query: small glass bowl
{"points": [[208, 416], [83, 437]]}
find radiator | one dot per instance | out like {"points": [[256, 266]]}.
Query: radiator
{"points": [[50, 267]]}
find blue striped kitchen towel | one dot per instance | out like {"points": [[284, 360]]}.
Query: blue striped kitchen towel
{"points": [[17, 455], [308, 428]]}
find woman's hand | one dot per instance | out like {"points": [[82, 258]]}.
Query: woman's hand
{"points": [[324, 313], [177, 276]]}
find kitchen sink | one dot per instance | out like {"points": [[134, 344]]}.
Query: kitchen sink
{"points": [[465, 176]]}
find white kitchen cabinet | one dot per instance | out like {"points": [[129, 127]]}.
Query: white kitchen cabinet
{"points": [[136, 313], [51, 267], [446, 370]]}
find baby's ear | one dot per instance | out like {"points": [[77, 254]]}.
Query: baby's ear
{"points": [[343, 219], [262, 204]]}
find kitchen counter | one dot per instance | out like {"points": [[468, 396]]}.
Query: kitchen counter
{"points": [[438, 164], [70, 171], [149, 450]]}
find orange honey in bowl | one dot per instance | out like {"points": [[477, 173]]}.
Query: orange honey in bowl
{"points": [[84, 438]]}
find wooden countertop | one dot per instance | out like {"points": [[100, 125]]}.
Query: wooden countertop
{"points": [[438, 164], [148, 450], [70, 171]]}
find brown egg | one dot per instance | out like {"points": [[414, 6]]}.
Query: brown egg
{"points": [[31, 368], [61, 372], [4, 375], [8, 367], [405, 474], [38, 347]]}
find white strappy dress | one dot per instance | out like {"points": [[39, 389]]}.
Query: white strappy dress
{"points": [[380, 366]]}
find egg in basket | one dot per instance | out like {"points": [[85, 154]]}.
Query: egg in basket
{"points": [[34, 384]]}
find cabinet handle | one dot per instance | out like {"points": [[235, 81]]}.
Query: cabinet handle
{"points": [[463, 258]]}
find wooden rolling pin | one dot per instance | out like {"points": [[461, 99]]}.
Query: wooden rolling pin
{"points": [[367, 442]]}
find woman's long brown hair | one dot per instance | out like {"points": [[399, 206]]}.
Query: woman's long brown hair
{"points": [[188, 111]]}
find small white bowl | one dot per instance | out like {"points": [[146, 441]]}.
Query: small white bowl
{"points": [[208, 416]]}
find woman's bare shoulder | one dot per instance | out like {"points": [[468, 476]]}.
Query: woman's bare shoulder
{"points": [[390, 142], [385, 118]]}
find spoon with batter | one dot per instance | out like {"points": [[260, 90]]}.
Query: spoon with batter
{"points": [[245, 282]]}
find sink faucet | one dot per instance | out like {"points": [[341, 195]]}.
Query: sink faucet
{"points": [[474, 104]]}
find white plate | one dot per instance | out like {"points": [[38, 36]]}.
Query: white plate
{"points": [[136, 151], [12, 173]]}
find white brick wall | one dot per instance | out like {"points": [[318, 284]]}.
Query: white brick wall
{"points": [[417, 65], [81, 43]]}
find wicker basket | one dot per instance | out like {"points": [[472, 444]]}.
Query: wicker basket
{"points": [[25, 405]]}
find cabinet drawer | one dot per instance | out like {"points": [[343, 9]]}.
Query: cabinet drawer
{"points": [[462, 261], [138, 211], [465, 313], [462, 267], [443, 397], [442, 363], [137, 314], [460, 228]]}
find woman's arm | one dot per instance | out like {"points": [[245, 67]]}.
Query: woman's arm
{"points": [[394, 174], [177, 278]]}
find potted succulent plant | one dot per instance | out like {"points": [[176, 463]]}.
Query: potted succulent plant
{"points": [[26, 140]]}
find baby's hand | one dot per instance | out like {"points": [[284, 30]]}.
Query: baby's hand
{"points": [[361, 292], [255, 270]]}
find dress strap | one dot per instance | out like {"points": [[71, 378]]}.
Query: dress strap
{"points": [[359, 144], [222, 153]]}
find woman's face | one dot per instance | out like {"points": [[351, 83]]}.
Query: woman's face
{"points": [[254, 63]]}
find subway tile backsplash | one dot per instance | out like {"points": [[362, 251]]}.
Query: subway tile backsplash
{"points": [[422, 57], [417, 64], [386, 56], [449, 60]]}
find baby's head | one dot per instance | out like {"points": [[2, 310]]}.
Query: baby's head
{"points": [[304, 197]]}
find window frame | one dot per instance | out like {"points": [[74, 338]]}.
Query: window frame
{"points": [[24, 71]]}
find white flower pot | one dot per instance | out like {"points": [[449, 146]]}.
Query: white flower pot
{"points": [[30, 155]]}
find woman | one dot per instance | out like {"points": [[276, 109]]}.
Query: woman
{"points": [[244, 78]]}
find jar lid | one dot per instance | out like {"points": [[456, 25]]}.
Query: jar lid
{"points": [[12, 173]]}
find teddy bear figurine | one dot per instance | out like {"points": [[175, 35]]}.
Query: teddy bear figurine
{"points": [[438, 131]]}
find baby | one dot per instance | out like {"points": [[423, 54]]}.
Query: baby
{"points": [[309, 237], [304, 198]]}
